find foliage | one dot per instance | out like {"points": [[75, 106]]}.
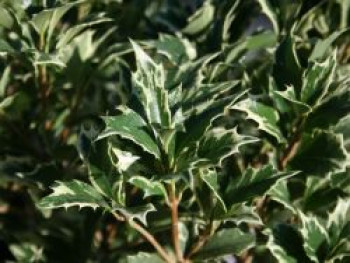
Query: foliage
{"points": [[197, 131]]}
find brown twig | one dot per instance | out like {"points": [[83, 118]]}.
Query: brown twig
{"points": [[174, 206], [201, 241], [148, 236], [293, 145]]}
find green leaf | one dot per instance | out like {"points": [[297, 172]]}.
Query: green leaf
{"points": [[149, 187], [339, 223], [316, 81], [280, 193], [229, 18], [210, 178], [199, 123], [240, 213], [219, 144], [286, 244], [47, 20], [253, 183], [343, 127], [200, 20], [225, 242], [6, 20], [266, 117], [176, 49], [130, 125], [143, 257], [287, 69], [320, 153], [286, 101], [322, 46], [314, 234], [67, 36], [73, 193]]}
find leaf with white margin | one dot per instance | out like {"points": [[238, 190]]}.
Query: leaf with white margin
{"points": [[201, 19], [130, 125], [254, 183], [339, 222], [73, 193], [280, 193], [316, 81], [149, 82], [125, 159], [150, 188], [314, 234], [131, 213], [265, 116], [210, 177]]}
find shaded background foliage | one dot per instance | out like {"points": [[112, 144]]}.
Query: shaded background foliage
{"points": [[65, 63]]}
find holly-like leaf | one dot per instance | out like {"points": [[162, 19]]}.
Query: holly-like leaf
{"points": [[317, 80], [315, 236], [130, 125], [320, 153], [240, 213], [210, 178], [150, 188], [286, 244], [149, 83], [339, 223], [219, 143], [266, 117], [225, 242], [280, 193], [73, 193], [253, 183]]}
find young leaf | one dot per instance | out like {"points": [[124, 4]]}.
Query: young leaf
{"points": [[149, 82], [73, 193]]}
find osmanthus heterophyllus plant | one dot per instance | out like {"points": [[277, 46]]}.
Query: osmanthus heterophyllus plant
{"points": [[303, 113], [162, 154]]}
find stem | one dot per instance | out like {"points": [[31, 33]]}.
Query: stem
{"points": [[174, 206], [293, 145], [147, 235], [201, 241]]}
